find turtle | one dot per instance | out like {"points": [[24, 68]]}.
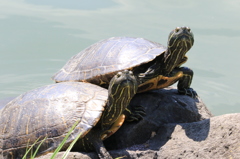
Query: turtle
{"points": [[154, 65], [46, 114]]}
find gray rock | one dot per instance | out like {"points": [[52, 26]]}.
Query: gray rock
{"points": [[161, 106], [217, 137]]}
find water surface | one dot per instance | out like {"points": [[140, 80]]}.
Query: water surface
{"points": [[38, 37]]}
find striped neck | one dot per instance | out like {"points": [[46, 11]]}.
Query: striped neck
{"points": [[172, 58], [121, 89]]}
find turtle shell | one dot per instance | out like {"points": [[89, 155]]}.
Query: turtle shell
{"points": [[100, 62], [49, 111]]}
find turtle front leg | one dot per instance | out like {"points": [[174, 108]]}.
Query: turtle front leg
{"points": [[134, 113], [185, 81]]}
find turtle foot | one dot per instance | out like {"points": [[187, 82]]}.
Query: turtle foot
{"points": [[188, 91], [136, 113]]}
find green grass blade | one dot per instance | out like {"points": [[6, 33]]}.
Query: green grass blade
{"points": [[29, 149], [71, 146], [64, 140], [35, 153]]}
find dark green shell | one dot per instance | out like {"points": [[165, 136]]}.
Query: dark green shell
{"points": [[107, 57]]}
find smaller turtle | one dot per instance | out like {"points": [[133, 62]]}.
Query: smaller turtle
{"points": [[50, 111], [154, 65]]}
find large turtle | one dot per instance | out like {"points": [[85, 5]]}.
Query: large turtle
{"points": [[50, 111], [154, 65]]}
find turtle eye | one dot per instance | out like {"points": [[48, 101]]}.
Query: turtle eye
{"points": [[119, 74], [188, 29], [177, 29]]}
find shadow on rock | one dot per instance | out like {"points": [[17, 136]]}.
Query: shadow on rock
{"points": [[197, 131]]}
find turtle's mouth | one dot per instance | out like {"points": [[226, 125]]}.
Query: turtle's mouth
{"points": [[185, 41], [184, 36], [127, 83]]}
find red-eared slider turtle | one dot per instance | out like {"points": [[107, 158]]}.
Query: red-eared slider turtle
{"points": [[154, 65], [50, 111]]}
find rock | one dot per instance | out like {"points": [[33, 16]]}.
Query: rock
{"points": [[217, 137], [162, 107]]}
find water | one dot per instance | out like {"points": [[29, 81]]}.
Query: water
{"points": [[38, 37]]}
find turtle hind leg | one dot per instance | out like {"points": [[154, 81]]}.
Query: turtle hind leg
{"points": [[92, 141], [101, 150], [185, 82]]}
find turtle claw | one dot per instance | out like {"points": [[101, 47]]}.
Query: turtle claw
{"points": [[136, 113], [188, 91]]}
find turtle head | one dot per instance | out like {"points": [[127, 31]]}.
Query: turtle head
{"points": [[123, 86], [180, 38], [121, 81]]}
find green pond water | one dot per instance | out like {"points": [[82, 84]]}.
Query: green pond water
{"points": [[38, 37]]}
